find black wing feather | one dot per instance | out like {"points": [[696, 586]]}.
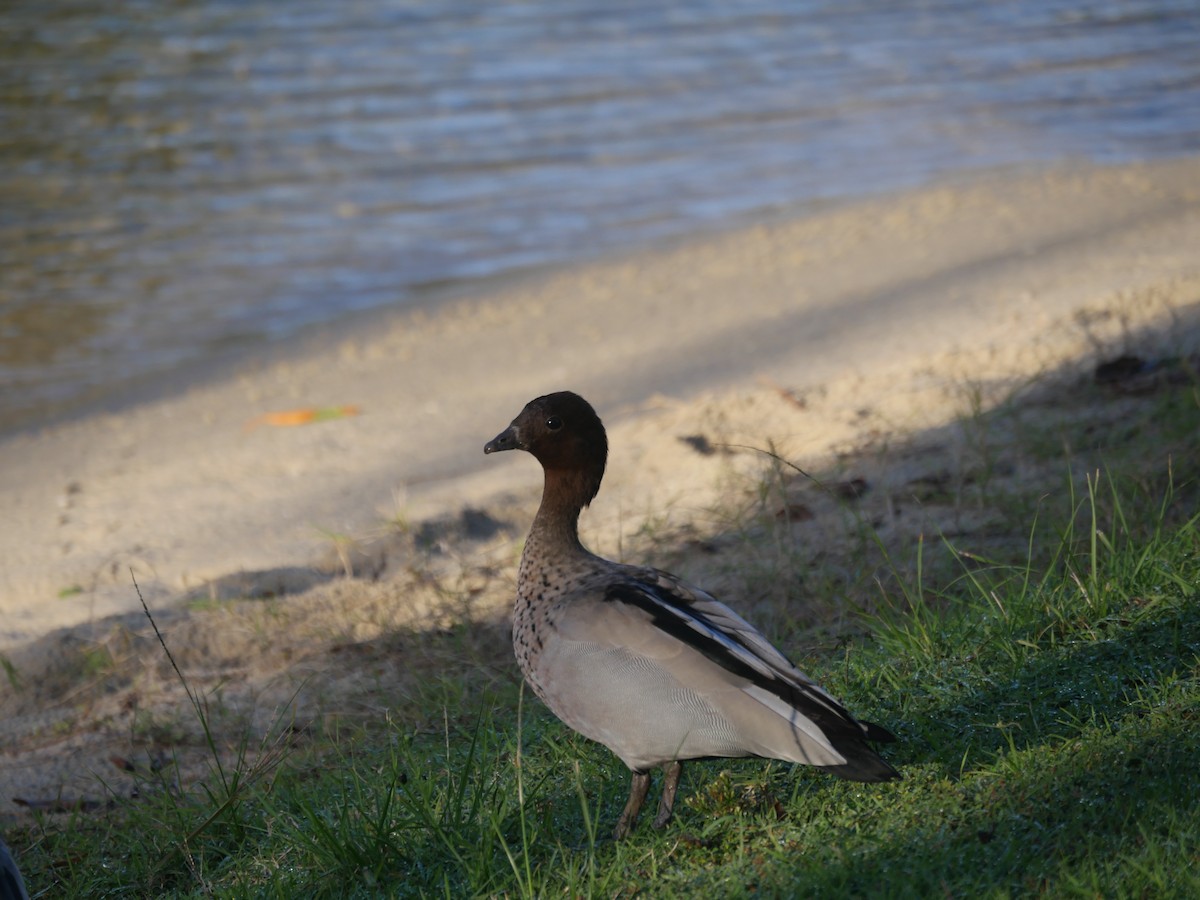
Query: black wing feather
{"points": [[681, 619]]}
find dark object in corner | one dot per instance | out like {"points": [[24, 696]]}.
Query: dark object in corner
{"points": [[12, 885]]}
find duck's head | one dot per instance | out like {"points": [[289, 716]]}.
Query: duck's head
{"points": [[565, 435]]}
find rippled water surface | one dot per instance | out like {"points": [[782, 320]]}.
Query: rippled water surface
{"points": [[182, 178]]}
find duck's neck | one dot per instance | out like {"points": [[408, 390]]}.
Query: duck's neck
{"points": [[556, 526]]}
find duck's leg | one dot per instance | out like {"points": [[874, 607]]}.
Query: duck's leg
{"points": [[637, 795], [667, 802]]}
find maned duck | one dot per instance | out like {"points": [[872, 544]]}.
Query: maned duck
{"points": [[653, 668]]}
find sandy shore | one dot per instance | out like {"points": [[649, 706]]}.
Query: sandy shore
{"points": [[869, 326], [179, 491]]}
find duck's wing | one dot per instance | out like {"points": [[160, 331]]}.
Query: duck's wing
{"points": [[708, 626]]}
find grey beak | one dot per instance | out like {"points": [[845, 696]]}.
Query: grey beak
{"points": [[508, 439]]}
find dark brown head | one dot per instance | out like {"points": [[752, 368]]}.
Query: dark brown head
{"points": [[565, 435]]}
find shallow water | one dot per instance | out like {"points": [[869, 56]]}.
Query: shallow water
{"points": [[179, 180]]}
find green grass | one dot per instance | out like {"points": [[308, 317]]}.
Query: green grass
{"points": [[1049, 725], [1047, 706]]}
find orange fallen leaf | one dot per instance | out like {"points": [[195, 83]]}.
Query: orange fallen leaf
{"points": [[289, 418], [786, 395]]}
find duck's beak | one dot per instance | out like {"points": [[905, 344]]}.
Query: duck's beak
{"points": [[508, 439]]}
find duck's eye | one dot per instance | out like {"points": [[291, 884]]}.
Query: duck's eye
{"points": [[554, 423]]}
